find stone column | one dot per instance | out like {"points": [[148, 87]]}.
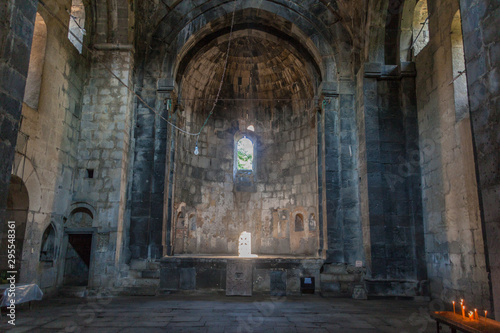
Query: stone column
{"points": [[390, 200], [104, 150], [333, 226], [162, 187]]}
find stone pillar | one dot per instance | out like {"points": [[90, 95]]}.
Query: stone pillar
{"points": [[480, 20], [104, 150], [333, 226], [162, 183], [338, 169], [151, 194], [390, 194], [17, 20]]}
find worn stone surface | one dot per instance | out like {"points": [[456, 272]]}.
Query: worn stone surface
{"points": [[481, 44], [16, 24], [366, 155], [45, 157], [239, 278], [454, 244], [225, 314], [103, 156]]}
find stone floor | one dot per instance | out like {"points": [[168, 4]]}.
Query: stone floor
{"points": [[178, 313]]}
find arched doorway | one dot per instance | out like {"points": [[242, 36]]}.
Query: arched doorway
{"points": [[17, 212]]}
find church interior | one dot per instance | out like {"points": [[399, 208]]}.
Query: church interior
{"points": [[346, 148]]}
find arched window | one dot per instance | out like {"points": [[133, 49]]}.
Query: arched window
{"points": [[48, 250], [459, 75], [244, 154], [77, 24], [244, 162], [37, 60], [420, 27]]}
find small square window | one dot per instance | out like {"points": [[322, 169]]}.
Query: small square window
{"points": [[90, 173]]}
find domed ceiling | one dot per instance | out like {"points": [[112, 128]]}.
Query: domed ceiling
{"points": [[258, 68]]}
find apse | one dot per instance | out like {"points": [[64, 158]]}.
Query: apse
{"points": [[256, 168]]}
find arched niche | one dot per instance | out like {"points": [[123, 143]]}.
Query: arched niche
{"points": [[49, 244], [80, 217]]}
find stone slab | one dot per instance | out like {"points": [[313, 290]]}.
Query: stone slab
{"points": [[239, 278]]}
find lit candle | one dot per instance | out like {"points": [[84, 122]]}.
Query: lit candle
{"points": [[453, 306], [475, 314], [463, 311], [485, 314]]}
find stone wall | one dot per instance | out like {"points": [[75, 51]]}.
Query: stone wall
{"points": [[16, 31], [103, 158], [344, 237], [46, 150], [215, 208], [389, 180], [453, 235], [481, 42]]}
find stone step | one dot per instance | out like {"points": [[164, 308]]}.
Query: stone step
{"points": [[139, 287], [137, 264], [150, 274], [73, 291]]}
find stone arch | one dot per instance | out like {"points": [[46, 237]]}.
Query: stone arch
{"points": [[81, 216], [24, 169], [302, 32], [83, 207]]}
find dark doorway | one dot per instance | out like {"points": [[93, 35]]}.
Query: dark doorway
{"points": [[77, 263], [17, 212]]}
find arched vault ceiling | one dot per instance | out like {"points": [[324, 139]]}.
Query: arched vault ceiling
{"points": [[170, 22], [258, 68]]}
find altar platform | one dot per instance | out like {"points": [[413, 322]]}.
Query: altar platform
{"points": [[276, 275]]}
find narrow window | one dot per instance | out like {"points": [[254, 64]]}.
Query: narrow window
{"points": [[245, 154], [77, 24], [37, 60], [420, 27]]}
